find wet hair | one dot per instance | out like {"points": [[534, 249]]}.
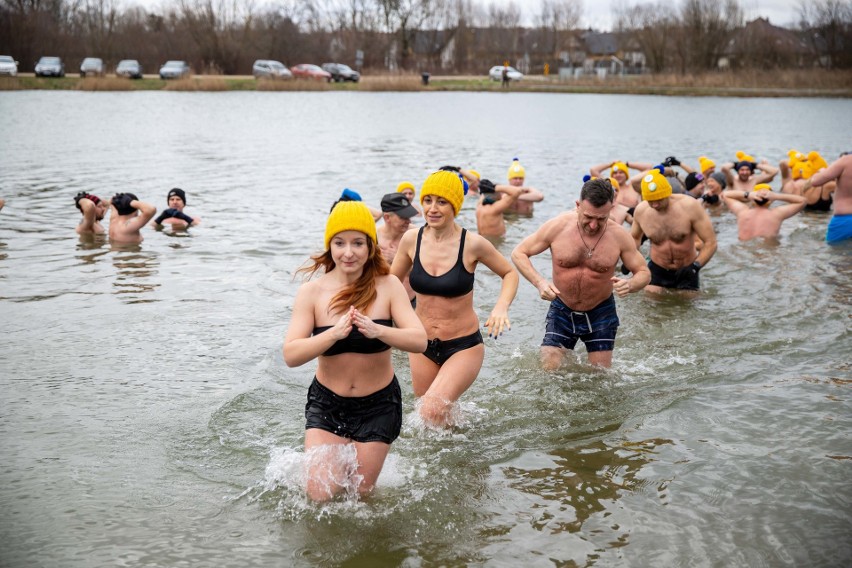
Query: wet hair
{"points": [[93, 198], [121, 202], [598, 192], [761, 202], [361, 293]]}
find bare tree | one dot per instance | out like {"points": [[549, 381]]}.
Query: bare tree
{"points": [[651, 25], [828, 27]]}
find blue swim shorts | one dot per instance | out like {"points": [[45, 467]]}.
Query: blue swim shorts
{"points": [[839, 229], [596, 327]]}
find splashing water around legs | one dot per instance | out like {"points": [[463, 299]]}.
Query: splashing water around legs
{"points": [[331, 469]]}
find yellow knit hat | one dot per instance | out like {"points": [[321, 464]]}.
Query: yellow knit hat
{"points": [[615, 184], [802, 170], [762, 187], [475, 174], [444, 184], [795, 156], [620, 166], [655, 186], [817, 161], [705, 163], [350, 216], [743, 157], [406, 185], [516, 170]]}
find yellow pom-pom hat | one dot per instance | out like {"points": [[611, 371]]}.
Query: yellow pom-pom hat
{"points": [[802, 170], [705, 163], [743, 157], [795, 156], [350, 216], [817, 161], [619, 166], [655, 186], [516, 170], [448, 185], [615, 185], [406, 185]]}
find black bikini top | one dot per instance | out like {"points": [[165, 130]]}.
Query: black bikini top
{"points": [[355, 342], [457, 281], [820, 205]]}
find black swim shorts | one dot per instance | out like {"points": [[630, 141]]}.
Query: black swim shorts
{"points": [[438, 351], [376, 417], [681, 279]]}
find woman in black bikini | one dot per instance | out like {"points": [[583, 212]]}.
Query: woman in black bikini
{"points": [[440, 259], [348, 319]]}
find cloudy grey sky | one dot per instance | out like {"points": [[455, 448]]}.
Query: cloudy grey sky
{"points": [[598, 13]]}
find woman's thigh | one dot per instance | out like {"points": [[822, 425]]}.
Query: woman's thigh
{"points": [[457, 374]]}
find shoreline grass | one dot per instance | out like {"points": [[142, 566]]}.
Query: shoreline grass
{"points": [[788, 83]]}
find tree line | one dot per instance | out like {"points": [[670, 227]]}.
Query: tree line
{"points": [[453, 36]]}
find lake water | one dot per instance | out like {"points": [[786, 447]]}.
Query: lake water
{"points": [[147, 417]]}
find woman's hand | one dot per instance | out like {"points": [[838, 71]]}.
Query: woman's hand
{"points": [[365, 325], [341, 329], [497, 323]]}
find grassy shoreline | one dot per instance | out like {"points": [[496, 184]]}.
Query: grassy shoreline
{"points": [[799, 83]]}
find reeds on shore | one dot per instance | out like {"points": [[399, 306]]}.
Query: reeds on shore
{"points": [[104, 84], [746, 83]]}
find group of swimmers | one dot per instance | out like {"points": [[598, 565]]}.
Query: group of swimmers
{"points": [[128, 215], [412, 288]]}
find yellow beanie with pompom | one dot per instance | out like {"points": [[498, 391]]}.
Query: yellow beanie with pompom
{"points": [[350, 216], [655, 186], [705, 163], [516, 170], [620, 166], [448, 185]]}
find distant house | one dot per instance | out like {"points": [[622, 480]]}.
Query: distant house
{"points": [[759, 43], [613, 53]]}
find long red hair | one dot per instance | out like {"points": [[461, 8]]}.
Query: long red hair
{"points": [[361, 293]]}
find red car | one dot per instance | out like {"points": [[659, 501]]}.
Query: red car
{"points": [[309, 71]]}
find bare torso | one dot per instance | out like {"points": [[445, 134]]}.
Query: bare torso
{"points": [[582, 280], [671, 233]]}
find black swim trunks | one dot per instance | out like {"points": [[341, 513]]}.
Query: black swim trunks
{"points": [[596, 327], [376, 417], [685, 278], [438, 351]]}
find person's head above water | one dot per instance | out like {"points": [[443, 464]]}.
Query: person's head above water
{"points": [[350, 216], [447, 185], [177, 193], [121, 202]]}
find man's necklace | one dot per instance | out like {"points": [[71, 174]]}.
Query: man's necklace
{"points": [[590, 251]]}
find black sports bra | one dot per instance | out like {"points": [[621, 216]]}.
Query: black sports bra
{"points": [[820, 204], [355, 342], [457, 281]]}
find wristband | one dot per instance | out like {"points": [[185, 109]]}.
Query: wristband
{"points": [[745, 195]]}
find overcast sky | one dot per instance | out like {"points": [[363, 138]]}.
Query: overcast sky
{"points": [[597, 14]]}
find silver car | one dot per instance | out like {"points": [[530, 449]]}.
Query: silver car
{"points": [[50, 67], [8, 66], [269, 68], [129, 68], [174, 70], [92, 66]]}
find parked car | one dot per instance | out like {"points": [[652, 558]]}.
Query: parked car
{"points": [[341, 72], [310, 71], [50, 67], [269, 68], [496, 73], [129, 68], [92, 66], [174, 70], [8, 65]]}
